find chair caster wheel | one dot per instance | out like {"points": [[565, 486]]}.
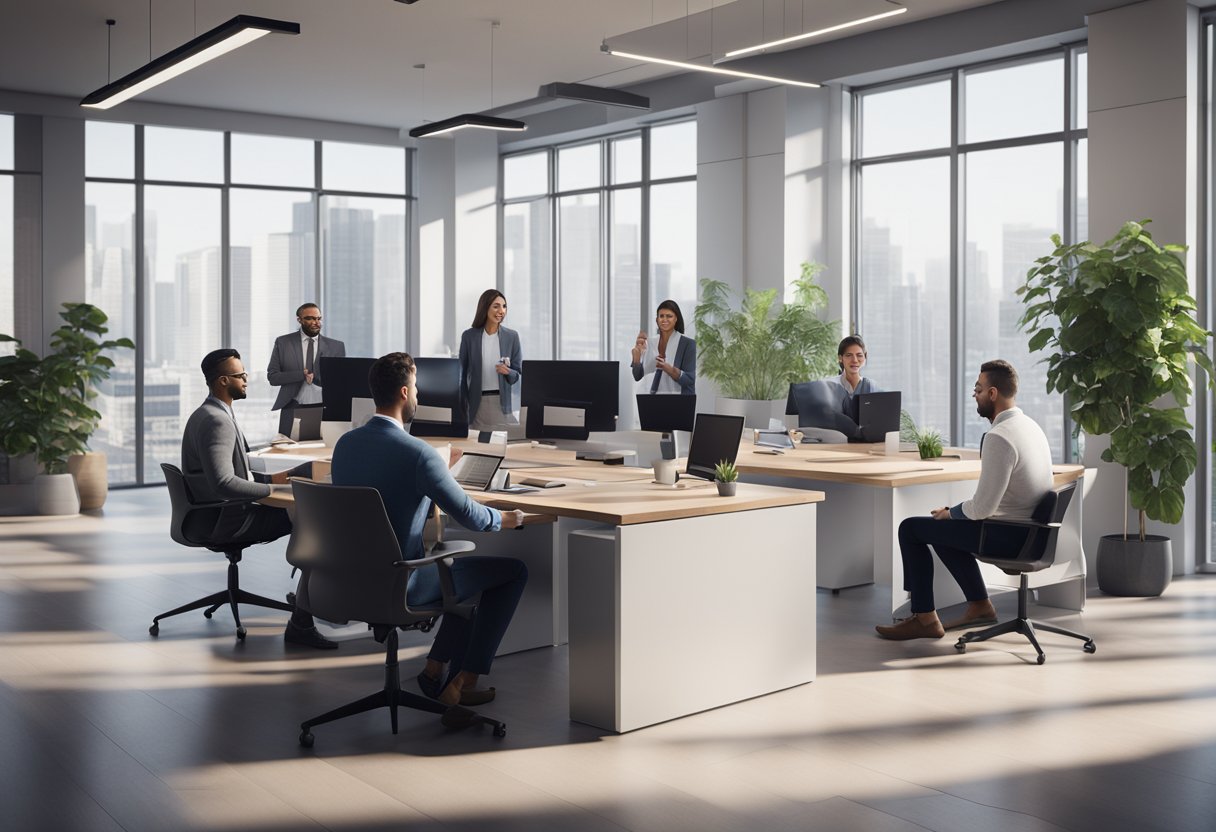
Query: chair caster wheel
{"points": [[291, 599], [1089, 647], [1040, 659], [154, 630], [240, 633], [306, 738], [960, 646], [207, 614], [500, 731]]}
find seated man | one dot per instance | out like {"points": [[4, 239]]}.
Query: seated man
{"points": [[410, 474], [215, 464], [1015, 474]]}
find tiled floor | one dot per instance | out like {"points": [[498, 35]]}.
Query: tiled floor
{"points": [[105, 728]]}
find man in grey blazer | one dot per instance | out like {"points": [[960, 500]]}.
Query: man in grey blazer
{"points": [[215, 464], [295, 366]]}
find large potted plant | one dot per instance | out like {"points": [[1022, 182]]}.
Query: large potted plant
{"points": [[45, 405], [753, 353], [1119, 322]]}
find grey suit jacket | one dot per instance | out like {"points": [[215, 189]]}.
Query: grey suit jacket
{"points": [[470, 367], [214, 459], [286, 370]]}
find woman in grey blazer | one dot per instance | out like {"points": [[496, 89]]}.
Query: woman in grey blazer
{"points": [[669, 362], [490, 362]]}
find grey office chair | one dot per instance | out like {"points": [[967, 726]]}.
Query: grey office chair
{"points": [[1038, 551], [189, 514], [352, 571]]}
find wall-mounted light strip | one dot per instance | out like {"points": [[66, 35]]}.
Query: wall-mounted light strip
{"points": [[237, 32], [807, 35], [467, 120], [735, 73]]}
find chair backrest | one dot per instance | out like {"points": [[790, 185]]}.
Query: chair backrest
{"points": [[342, 539], [181, 505], [1039, 547]]}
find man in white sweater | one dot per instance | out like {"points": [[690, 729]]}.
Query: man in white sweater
{"points": [[1015, 474]]}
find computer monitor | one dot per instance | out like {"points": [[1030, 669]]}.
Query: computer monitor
{"points": [[818, 406], [568, 399], [441, 412], [345, 380], [876, 414], [714, 438], [665, 412]]}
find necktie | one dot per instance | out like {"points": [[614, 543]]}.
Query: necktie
{"points": [[308, 359]]}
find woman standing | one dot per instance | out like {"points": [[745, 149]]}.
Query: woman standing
{"points": [[670, 361], [489, 364]]}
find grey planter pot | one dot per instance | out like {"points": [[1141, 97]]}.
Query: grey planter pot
{"points": [[1141, 569], [726, 489], [56, 494]]}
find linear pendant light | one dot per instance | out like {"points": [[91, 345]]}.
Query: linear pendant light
{"points": [[717, 70], [807, 35], [226, 37], [467, 120]]}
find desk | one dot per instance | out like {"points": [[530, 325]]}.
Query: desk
{"points": [[870, 495]]}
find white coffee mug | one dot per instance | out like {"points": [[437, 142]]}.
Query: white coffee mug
{"points": [[892, 443], [665, 471]]}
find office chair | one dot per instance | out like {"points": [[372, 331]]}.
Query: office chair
{"points": [[186, 513], [352, 570], [1038, 552]]}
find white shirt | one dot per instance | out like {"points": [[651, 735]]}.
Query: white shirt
{"points": [[309, 393], [1015, 469], [490, 353], [667, 384]]}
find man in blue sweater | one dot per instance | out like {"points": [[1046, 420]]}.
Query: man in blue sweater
{"points": [[410, 475]]}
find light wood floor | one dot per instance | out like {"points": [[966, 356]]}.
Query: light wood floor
{"points": [[105, 728]]}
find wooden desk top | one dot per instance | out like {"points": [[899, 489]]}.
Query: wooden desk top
{"points": [[855, 464], [594, 471]]}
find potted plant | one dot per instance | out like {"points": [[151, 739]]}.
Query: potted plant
{"points": [[753, 354], [929, 443], [726, 476], [44, 404], [1119, 323]]}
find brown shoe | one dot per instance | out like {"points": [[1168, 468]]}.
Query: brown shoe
{"points": [[911, 627], [979, 614]]}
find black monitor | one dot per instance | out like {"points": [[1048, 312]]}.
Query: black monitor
{"points": [[344, 379], [818, 406], [714, 438], [876, 414], [665, 412], [441, 412], [589, 387]]}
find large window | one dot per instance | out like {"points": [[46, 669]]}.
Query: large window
{"points": [[595, 235], [961, 179], [208, 239]]}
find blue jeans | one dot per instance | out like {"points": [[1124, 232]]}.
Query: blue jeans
{"points": [[470, 644]]}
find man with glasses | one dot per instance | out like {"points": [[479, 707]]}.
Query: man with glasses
{"points": [[1015, 475], [295, 366], [215, 463]]}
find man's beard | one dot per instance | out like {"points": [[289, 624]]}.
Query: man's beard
{"points": [[986, 409]]}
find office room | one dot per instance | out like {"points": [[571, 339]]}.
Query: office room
{"points": [[229, 219]]}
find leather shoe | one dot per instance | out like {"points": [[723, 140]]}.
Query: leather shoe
{"points": [[310, 637], [981, 617], [911, 627], [431, 688]]}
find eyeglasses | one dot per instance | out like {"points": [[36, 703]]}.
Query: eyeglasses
{"points": [[241, 376], [316, 318]]}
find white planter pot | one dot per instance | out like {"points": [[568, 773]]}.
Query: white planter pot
{"points": [[56, 494], [755, 413], [89, 471]]}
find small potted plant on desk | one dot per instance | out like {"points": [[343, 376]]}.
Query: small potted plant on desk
{"points": [[929, 443], [726, 476]]}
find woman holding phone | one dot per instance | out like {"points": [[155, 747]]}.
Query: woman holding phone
{"points": [[668, 362], [489, 365]]}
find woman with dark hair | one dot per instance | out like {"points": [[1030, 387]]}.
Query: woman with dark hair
{"points": [[851, 357], [489, 365], [669, 362]]}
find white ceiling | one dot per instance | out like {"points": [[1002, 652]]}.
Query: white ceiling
{"points": [[354, 59]]}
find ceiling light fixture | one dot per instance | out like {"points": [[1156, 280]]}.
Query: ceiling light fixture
{"points": [[807, 35], [717, 70], [477, 120], [226, 37], [594, 95]]}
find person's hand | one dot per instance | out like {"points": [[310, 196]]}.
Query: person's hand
{"points": [[503, 367], [639, 347], [307, 377], [942, 513], [456, 454], [661, 363], [512, 519]]}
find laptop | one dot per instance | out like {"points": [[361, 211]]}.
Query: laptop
{"points": [[877, 415], [475, 470]]}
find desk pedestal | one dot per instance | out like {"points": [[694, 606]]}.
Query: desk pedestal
{"points": [[671, 618]]}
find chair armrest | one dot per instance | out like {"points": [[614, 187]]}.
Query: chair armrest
{"points": [[447, 586]]}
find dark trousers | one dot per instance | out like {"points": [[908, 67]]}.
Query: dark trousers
{"points": [[470, 644], [262, 524], [954, 541]]}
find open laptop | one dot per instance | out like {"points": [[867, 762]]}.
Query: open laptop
{"points": [[475, 470], [877, 415]]}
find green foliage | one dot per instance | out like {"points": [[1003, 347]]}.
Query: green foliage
{"points": [[1119, 326], [752, 353], [929, 443], [907, 427], [725, 471], [44, 403]]}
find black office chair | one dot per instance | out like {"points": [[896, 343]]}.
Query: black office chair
{"points": [[1038, 552], [352, 571], [188, 513]]}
